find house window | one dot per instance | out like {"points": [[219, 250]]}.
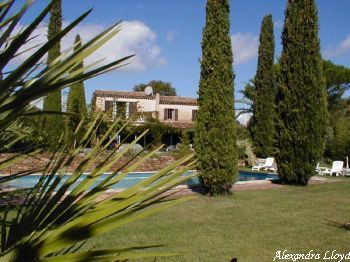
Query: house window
{"points": [[170, 114]]}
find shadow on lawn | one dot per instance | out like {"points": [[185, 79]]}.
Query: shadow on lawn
{"points": [[345, 226]]}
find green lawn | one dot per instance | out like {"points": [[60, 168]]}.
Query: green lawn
{"points": [[249, 169], [250, 225]]}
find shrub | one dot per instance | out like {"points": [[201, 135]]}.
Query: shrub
{"points": [[245, 152], [184, 148]]}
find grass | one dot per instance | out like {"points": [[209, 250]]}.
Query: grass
{"points": [[249, 225], [249, 169]]}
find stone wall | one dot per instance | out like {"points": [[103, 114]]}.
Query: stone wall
{"points": [[40, 160]]}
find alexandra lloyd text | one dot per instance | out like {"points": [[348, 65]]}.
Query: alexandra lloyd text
{"points": [[312, 255]]}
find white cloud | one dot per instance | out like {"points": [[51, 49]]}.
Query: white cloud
{"points": [[338, 50], [245, 47], [278, 24], [134, 38], [170, 36]]}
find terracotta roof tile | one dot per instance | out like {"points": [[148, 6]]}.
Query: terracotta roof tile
{"points": [[123, 94], [177, 100]]}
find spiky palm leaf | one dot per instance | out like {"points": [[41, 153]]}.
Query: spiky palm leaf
{"points": [[56, 215]]}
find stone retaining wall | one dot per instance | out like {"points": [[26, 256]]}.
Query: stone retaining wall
{"points": [[40, 160]]}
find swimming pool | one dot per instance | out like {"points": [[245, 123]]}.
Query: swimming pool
{"points": [[249, 176], [133, 178]]}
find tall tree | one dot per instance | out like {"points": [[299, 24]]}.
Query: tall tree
{"points": [[301, 95], [54, 123], [262, 124], [158, 86], [340, 146], [337, 79], [216, 128], [76, 97]]}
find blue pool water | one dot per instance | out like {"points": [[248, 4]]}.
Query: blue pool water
{"points": [[249, 176], [133, 178]]}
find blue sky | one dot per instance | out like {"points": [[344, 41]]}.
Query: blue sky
{"points": [[166, 37]]}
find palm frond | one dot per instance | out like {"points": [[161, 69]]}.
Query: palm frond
{"points": [[56, 216]]}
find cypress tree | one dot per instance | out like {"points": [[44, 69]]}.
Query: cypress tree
{"points": [[54, 123], [301, 95], [263, 121], [76, 97], [216, 131]]}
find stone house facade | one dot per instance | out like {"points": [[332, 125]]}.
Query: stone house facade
{"points": [[179, 112]]}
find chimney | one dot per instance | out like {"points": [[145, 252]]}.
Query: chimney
{"points": [[157, 104]]}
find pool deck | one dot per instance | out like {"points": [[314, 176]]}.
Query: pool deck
{"points": [[261, 185], [267, 184], [182, 190]]}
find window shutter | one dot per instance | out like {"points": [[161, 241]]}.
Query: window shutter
{"points": [[108, 106], [176, 114], [132, 108], [194, 115], [165, 113]]}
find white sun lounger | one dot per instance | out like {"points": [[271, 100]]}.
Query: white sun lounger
{"points": [[337, 168], [268, 165], [320, 169]]}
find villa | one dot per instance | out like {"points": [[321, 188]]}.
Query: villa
{"points": [[175, 111]]}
